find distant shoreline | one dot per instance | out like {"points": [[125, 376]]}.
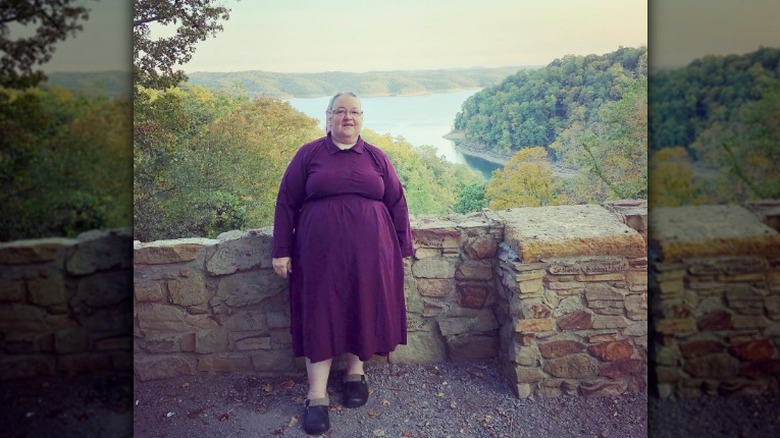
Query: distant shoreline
{"points": [[411, 94], [458, 139]]}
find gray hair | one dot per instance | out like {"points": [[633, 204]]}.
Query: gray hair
{"points": [[339, 94]]}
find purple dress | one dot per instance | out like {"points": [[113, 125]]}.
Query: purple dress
{"points": [[341, 216]]}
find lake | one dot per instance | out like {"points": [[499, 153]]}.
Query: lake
{"points": [[422, 120]]}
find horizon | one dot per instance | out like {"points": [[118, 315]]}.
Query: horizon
{"points": [[675, 32]]}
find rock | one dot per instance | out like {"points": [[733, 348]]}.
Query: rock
{"points": [[561, 348], [188, 290], [49, 291], [579, 320], [474, 270], [161, 317], [603, 388], [534, 325], [421, 347], [434, 287], [621, 368], [574, 366], [527, 374], [148, 292], [673, 326], [22, 318], [472, 296], [716, 320], [276, 361], [434, 268], [22, 252], [240, 252], [761, 368], [101, 251], [743, 388], [612, 351], [438, 234], [700, 348], [84, 363], [247, 288], [71, 341], [482, 247], [608, 322], [464, 348], [163, 252], [716, 366], [753, 351], [211, 341], [104, 289], [163, 367]]}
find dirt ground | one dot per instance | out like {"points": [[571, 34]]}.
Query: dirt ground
{"points": [[441, 400]]}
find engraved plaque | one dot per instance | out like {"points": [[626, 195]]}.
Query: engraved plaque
{"points": [[560, 269], [605, 266]]}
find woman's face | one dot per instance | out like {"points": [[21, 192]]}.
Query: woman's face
{"points": [[346, 119]]}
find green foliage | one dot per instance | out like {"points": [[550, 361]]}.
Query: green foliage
{"points": [[470, 199], [525, 181], [108, 83], [64, 162], [532, 107], [383, 83], [154, 59], [208, 162], [724, 110], [609, 153], [52, 21], [431, 184], [710, 90]]}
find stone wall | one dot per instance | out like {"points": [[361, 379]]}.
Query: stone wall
{"points": [[715, 300], [65, 305], [204, 305], [573, 302], [215, 305]]}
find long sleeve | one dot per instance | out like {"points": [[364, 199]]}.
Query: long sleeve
{"points": [[395, 200], [292, 192]]}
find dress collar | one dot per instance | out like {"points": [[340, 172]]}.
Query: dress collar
{"points": [[332, 148]]}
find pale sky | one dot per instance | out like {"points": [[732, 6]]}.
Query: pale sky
{"points": [[683, 30], [104, 44], [316, 35]]}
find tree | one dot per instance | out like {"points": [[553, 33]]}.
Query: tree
{"points": [[671, 178], [525, 181], [154, 59], [471, 198], [610, 152], [52, 21], [64, 162]]}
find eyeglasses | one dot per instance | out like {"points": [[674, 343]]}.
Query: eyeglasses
{"points": [[342, 112]]}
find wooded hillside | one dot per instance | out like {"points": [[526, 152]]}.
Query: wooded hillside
{"points": [[714, 130], [381, 83], [532, 107]]}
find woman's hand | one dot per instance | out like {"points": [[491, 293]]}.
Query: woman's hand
{"points": [[282, 266]]}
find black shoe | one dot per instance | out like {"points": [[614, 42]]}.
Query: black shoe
{"points": [[355, 393], [315, 419]]}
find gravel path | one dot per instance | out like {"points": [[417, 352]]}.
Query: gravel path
{"points": [[99, 406], [437, 401], [443, 400]]}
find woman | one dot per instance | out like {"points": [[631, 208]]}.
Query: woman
{"points": [[341, 230]]}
